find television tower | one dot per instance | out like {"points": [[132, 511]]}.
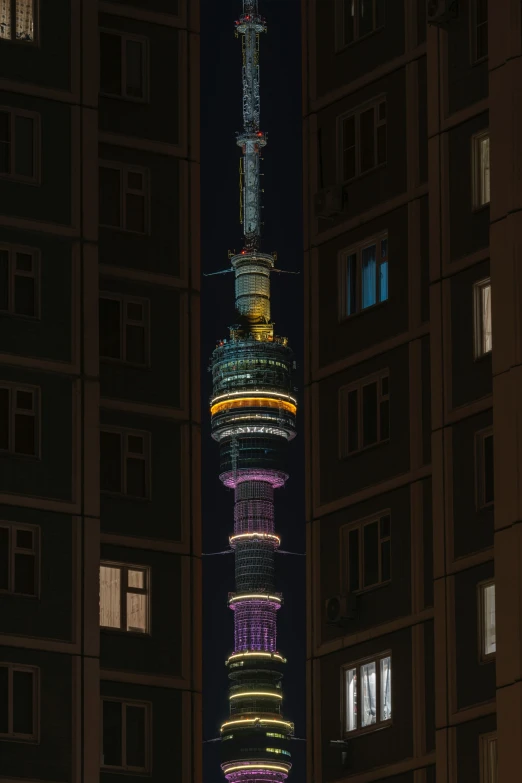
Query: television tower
{"points": [[253, 417]]}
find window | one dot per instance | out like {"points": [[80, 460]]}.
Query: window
{"points": [[479, 29], [18, 559], [18, 702], [484, 471], [19, 274], [123, 198], [362, 137], [357, 18], [18, 145], [363, 272], [366, 553], [123, 66], [364, 414], [488, 758], [124, 597], [17, 20], [18, 406], [124, 329], [124, 462], [488, 639], [480, 170], [126, 731], [367, 694], [483, 332]]}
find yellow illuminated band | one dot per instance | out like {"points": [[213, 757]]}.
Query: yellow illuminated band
{"points": [[248, 694], [256, 654], [246, 721], [253, 402], [265, 536], [255, 597], [258, 765], [276, 395]]}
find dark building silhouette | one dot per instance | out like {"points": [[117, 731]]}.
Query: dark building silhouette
{"points": [[100, 600], [411, 395]]}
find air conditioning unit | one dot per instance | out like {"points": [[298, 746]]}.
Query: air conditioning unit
{"points": [[440, 12], [340, 608], [329, 201]]}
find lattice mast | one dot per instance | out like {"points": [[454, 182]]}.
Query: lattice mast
{"points": [[253, 418]]}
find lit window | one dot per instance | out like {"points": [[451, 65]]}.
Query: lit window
{"points": [[18, 559], [124, 597], [124, 327], [367, 694], [123, 64], [18, 702], [364, 411], [19, 269], [488, 758], [484, 469], [18, 145], [123, 198], [479, 29], [483, 335], [488, 639], [356, 19], [363, 276], [124, 462], [18, 420], [17, 20], [366, 552], [125, 735], [481, 170], [362, 137]]}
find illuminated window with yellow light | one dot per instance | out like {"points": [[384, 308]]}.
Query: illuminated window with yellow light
{"points": [[124, 597], [17, 20]]}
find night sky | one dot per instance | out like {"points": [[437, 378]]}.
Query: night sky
{"points": [[221, 117]]}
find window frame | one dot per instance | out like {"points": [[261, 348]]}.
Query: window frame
{"points": [[485, 657], [12, 251], [13, 410], [478, 326], [147, 706], [356, 112], [344, 552], [124, 590], [486, 742], [343, 432], [473, 34], [340, 43], [145, 66], [124, 300], [124, 432], [380, 723], [480, 470], [124, 170], [477, 185], [22, 41], [13, 549], [17, 736], [12, 176], [342, 262]]}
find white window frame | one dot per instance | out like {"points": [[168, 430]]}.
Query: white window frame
{"points": [[18, 736], [359, 525], [13, 388], [124, 453], [147, 706], [340, 10], [480, 337], [484, 623], [374, 104], [124, 170], [23, 41], [126, 321], [13, 550], [357, 251], [124, 569], [474, 27], [124, 37], [11, 174], [488, 758], [481, 177], [343, 414], [13, 273], [480, 469], [380, 722]]}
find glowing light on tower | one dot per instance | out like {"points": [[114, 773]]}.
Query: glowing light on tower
{"points": [[253, 413]]}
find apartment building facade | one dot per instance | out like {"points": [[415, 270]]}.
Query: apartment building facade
{"points": [[412, 389], [100, 598]]}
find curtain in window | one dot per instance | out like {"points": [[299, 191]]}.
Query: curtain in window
{"points": [[484, 169], [490, 641], [24, 20], [383, 272], [369, 709], [110, 591], [487, 331], [369, 276], [351, 700], [386, 689]]}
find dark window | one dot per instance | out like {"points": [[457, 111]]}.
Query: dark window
{"points": [[18, 20], [110, 64], [135, 61], [123, 62], [484, 469], [110, 328], [357, 18], [124, 463], [17, 701], [110, 462], [110, 197], [18, 420], [124, 329], [123, 198], [4, 700], [362, 140], [479, 29], [17, 145], [366, 549], [19, 275], [363, 273], [18, 559], [125, 729], [364, 414]]}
